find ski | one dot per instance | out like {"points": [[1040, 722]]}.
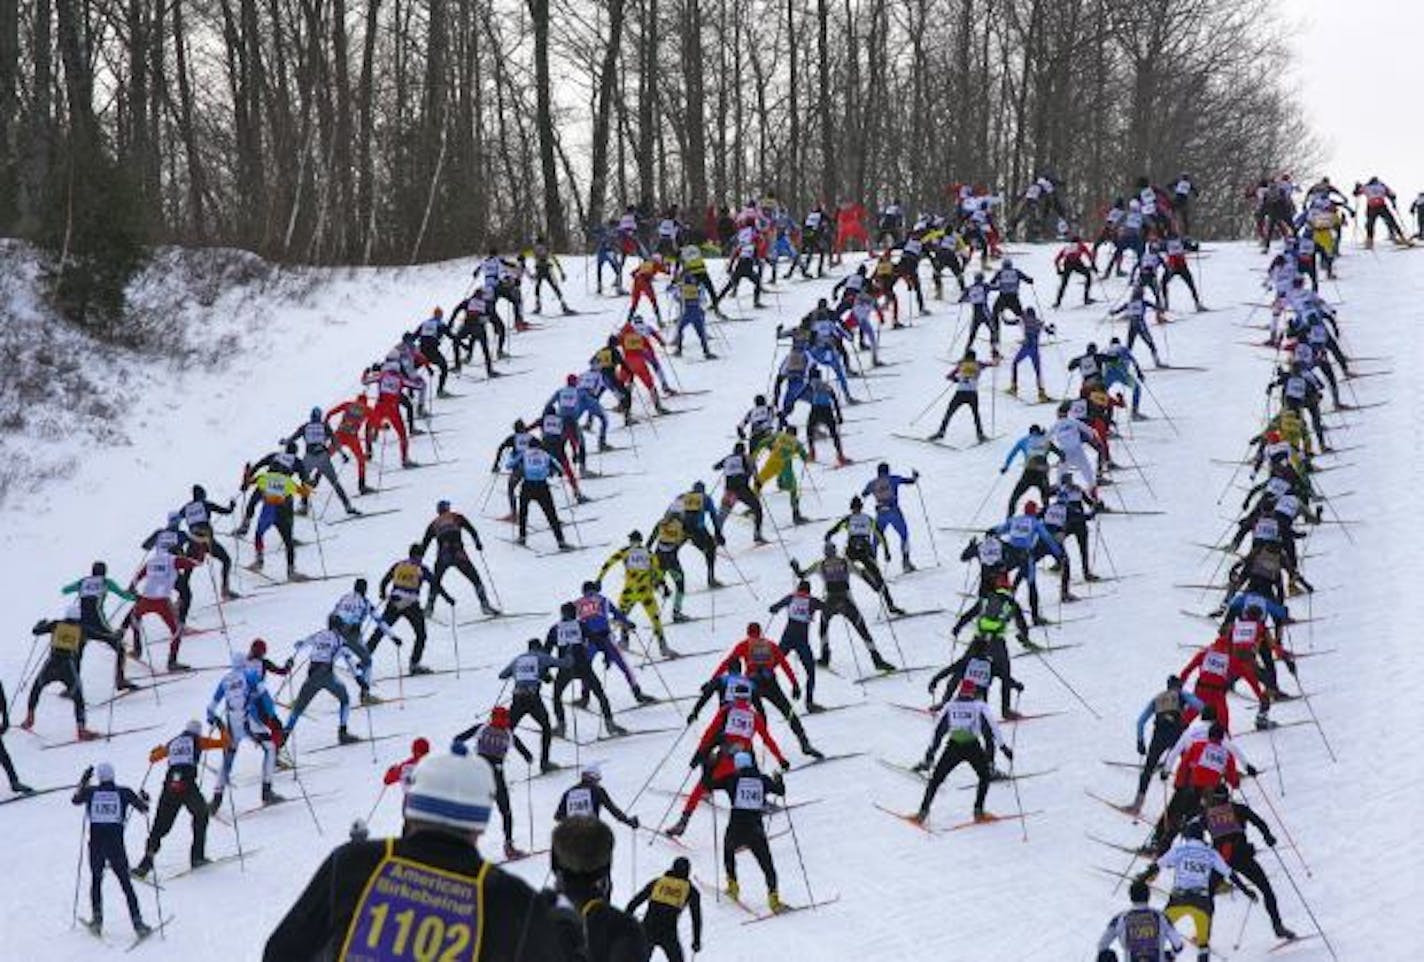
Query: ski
{"points": [[103, 736], [910, 820], [1031, 716], [1287, 943], [570, 549], [221, 859], [679, 656], [360, 741], [907, 670], [826, 760], [521, 856], [907, 615], [265, 806], [35, 793], [362, 516], [1127, 849], [635, 732], [787, 909], [159, 926], [501, 616], [1120, 809], [990, 818]]}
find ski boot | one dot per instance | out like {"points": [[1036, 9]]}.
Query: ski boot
{"points": [[1043, 397], [418, 669], [679, 827], [1013, 389], [923, 765], [878, 660], [824, 658], [85, 735], [664, 649], [344, 737], [678, 618], [734, 889], [773, 902], [175, 665], [141, 870], [29, 721], [643, 698], [511, 853], [907, 564], [296, 576], [20, 788], [95, 926], [215, 803], [982, 816], [269, 797], [613, 727], [546, 766], [198, 861]]}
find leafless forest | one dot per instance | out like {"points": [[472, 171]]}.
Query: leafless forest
{"points": [[390, 131]]}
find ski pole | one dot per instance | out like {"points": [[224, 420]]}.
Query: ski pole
{"points": [[1241, 934], [79, 868], [379, 798], [929, 526], [236, 830], [671, 802], [157, 883], [740, 573], [222, 615], [1306, 905], [1013, 780], [297, 777], [658, 767], [1064, 682], [796, 841], [455, 637], [489, 576], [716, 862], [1285, 829], [983, 501], [930, 406]]}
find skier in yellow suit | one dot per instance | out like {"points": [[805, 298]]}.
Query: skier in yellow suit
{"points": [[783, 448], [642, 579]]}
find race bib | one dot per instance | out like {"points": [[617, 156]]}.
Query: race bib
{"points": [[418, 913], [750, 795], [740, 723]]}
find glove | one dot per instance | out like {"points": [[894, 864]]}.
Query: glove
{"points": [[1008, 752], [287, 664], [1252, 771], [143, 794], [213, 718], [915, 474], [633, 822], [1161, 773], [696, 946], [88, 774], [1271, 840], [692, 717], [930, 687], [795, 691], [1141, 748], [1249, 892], [721, 540], [231, 503], [1004, 470], [479, 546], [785, 765]]}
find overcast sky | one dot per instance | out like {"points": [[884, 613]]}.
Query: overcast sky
{"points": [[1358, 77]]}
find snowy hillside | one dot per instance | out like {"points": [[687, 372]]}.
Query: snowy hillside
{"points": [[1009, 891]]}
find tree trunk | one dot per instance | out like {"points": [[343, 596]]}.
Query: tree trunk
{"points": [[607, 75], [828, 134], [555, 223], [695, 161]]}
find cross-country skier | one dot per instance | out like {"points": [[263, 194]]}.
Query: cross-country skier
{"points": [[106, 810]]}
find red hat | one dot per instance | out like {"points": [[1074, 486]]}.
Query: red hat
{"points": [[499, 716], [420, 748], [968, 689]]}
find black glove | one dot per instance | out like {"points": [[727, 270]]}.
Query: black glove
{"points": [[1004, 469], [143, 794], [721, 540], [1251, 771], [1270, 840], [696, 946], [795, 691], [1008, 752], [1249, 892], [785, 765], [287, 665], [1141, 748], [692, 717], [88, 774], [633, 822]]}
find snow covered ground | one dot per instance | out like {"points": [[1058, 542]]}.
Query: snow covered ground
{"points": [[1001, 892]]}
